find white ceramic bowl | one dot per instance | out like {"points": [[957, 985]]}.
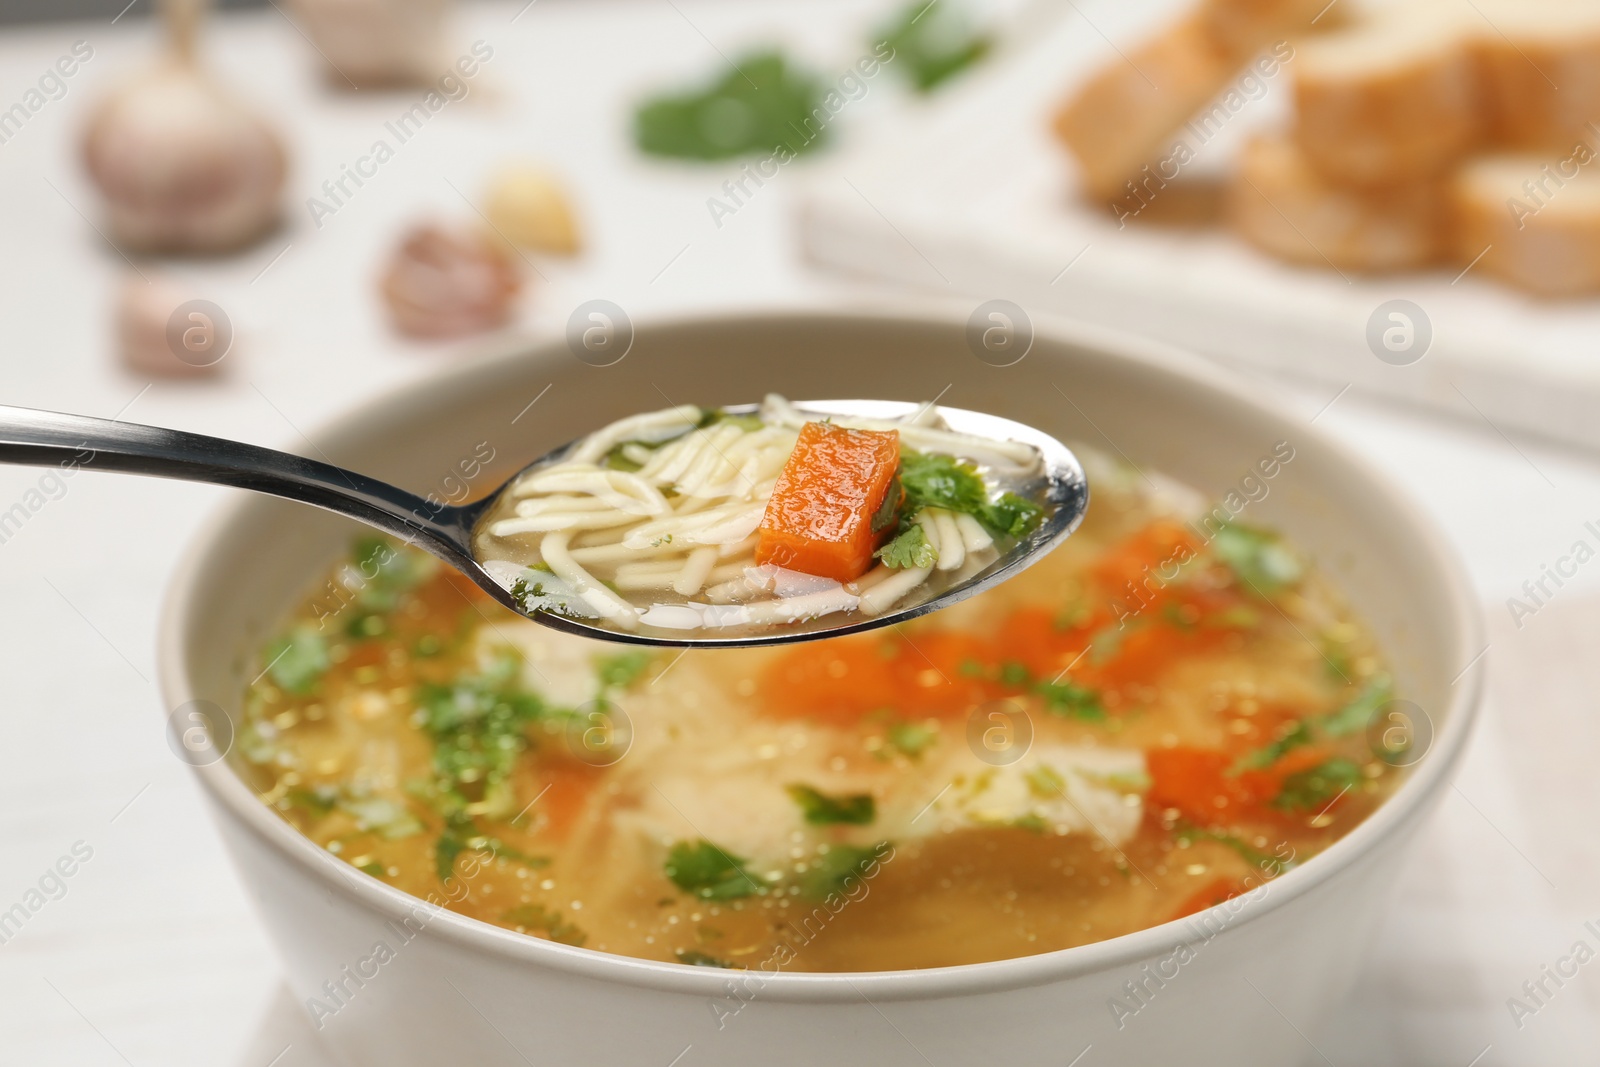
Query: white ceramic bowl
{"points": [[1247, 982]]}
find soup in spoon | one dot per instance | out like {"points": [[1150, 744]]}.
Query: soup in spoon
{"points": [[691, 519]]}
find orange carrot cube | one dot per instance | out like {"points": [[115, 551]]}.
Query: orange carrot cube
{"points": [[821, 515]]}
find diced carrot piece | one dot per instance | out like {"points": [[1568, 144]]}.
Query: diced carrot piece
{"points": [[820, 516], [844, 679], [1197, 783]]}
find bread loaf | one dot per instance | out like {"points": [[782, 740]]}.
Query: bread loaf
{"points": [[1392, 99], [1534, 221], [1122, 118], [1284, 206], [1540, 65]]}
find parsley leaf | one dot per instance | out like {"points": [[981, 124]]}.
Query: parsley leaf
{"points": [[1293, 737], [692, 958], [387, 572], [1260, 558], [1071, 701], [550, 923], [1269, 865], [701, 868], [623, 669], [763, 105], [912, 738], [1355, 715], [832, 871], [1318, 786], [478, 726], [932, 46], [937, 481], [910, 548], [298, 661], [1011, 515], [820, 809]]}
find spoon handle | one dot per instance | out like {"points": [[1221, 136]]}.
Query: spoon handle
{"points": [[47, 438]]}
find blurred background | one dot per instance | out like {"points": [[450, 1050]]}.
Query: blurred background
{"points": [[244, 221]]}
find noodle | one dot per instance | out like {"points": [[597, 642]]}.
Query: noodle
{"points": [[664, 506]]}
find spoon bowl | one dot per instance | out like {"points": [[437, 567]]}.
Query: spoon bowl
{"points": [[46, 438]]}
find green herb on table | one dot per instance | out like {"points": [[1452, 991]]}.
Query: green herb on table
{"points": [[933, 42], [765, 104]]}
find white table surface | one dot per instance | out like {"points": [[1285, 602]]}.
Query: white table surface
{"points": [[153, 956]]}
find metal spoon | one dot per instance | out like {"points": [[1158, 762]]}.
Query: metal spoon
{"points": [[46, 438]]}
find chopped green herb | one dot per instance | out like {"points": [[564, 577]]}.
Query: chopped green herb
{"points": [[701, 868], [1045, 781], [387, 818], [1011, 515], [317, 800], [912, 738], [298, 661], [367, 624], [375, 869], [910, 548], [538, 918], [1260, 558], [833, 871], [1354, 716], [763, 105], [1318, 786], [478, 726], [693, 958], [932, 43], [1292, 736], [1071, 701], [936, 481], [820, 809], [387, 572], [1015, 674], [445, 850], [1269, 865], [889, 511], [623, 669], [1032, 822]]}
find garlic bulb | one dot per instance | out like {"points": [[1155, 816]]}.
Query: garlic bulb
{"points": [[183, 166], [163, 332], [376, 43], [528, 207], [448, 283]]}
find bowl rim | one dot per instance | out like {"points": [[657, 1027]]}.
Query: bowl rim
{"points": [[1409, 803]]}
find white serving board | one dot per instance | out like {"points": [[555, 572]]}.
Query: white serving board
{"points": [[974, 196]]}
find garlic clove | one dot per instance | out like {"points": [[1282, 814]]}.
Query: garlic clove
{"points": [[528, 206], [449, 282], [183, 166], [371, 44], [163, 331]]}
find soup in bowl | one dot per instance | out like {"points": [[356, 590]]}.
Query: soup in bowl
{"points": [[1180, 753]]}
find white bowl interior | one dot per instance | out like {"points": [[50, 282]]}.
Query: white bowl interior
{"points": [[1158, 409]]}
